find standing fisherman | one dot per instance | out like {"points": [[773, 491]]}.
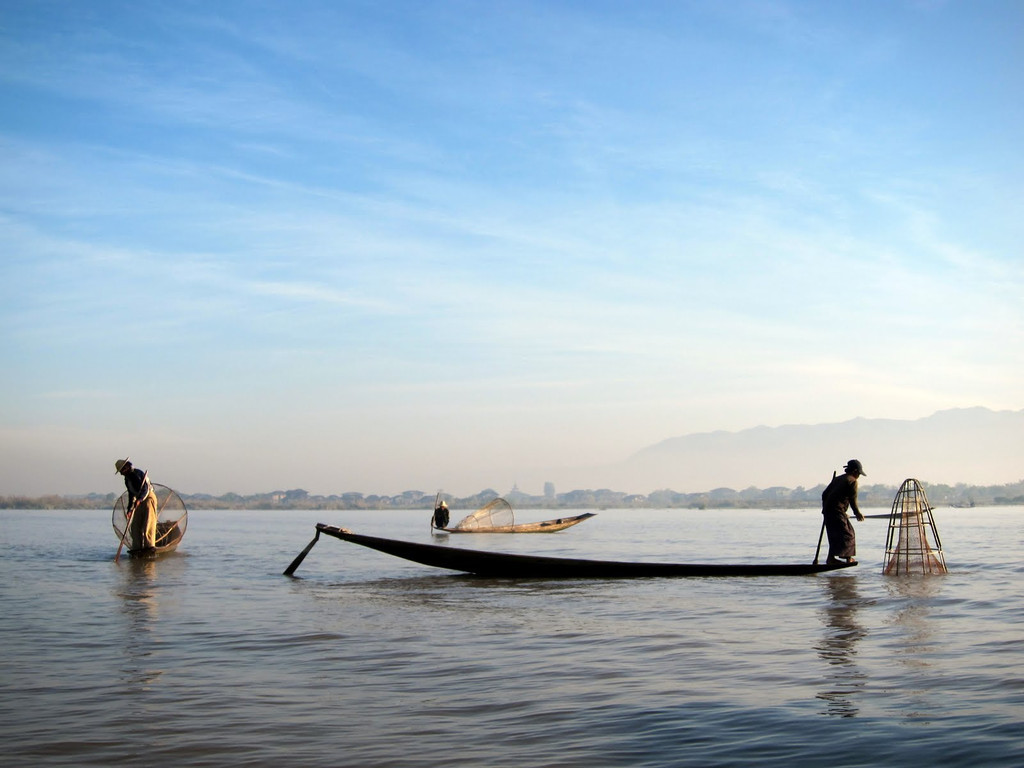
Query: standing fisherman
{"points": [[840, 495], [141, 509], [441, 515]]}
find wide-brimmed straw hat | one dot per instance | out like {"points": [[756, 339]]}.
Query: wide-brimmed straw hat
{"points": [[119, 464]]}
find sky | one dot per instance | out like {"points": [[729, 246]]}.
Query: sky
{"points": [[370, 247]]}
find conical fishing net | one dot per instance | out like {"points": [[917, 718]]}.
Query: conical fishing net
{"points": [[497, 514], [912, 545], [172, 517]]}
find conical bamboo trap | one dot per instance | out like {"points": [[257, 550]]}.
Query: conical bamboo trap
{"points": [[913, 544]]}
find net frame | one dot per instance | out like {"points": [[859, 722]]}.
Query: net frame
{"points": [[171, 521], [909, 547], [496, 514]]}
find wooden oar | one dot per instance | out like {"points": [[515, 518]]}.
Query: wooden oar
{"points": [[822, 532], [127, 527], [434, 513], [302, 555]]}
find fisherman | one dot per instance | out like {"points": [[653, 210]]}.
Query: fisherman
{"points": [[441, 515], [141, 510], [840, 495]]}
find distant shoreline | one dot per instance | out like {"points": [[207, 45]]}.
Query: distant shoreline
{"points": [[939, 495]]}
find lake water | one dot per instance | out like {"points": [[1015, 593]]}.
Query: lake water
{"points": [[210, 657]]}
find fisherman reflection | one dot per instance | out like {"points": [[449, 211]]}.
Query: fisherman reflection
{"points": [[837, 647], [139, 606]]}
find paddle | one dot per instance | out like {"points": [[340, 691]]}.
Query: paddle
{"points": [[302, 555], [127, 527], [433, 515], [128, 520], [822, 532]]}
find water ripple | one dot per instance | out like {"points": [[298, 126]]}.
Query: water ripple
{"points": [[211, 658]]}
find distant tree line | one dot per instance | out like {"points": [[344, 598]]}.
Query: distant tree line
{"points": [[939, 495]]}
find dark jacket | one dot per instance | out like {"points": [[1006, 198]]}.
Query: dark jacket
{"points": [[840, 495], [137, 484]]}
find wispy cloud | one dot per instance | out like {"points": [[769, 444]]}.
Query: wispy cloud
{"points": [[575, 226]]}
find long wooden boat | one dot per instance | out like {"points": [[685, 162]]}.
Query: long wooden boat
{"points": [[505, 565], [544, 526]]}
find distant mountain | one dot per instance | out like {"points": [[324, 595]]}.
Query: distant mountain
{"points": [[968, 445]]}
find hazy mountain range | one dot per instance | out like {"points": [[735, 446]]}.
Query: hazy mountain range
{"points": [[976, 446]]}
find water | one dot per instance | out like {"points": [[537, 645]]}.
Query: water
{"points": [[209, 657]]}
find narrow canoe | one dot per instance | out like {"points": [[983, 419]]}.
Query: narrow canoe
{"points": [[545, 526], [505, 565], [168, 536]]}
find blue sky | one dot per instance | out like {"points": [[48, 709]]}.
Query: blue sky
{"points": [[377, 246]]}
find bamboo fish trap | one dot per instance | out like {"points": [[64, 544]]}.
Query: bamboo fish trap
{"points": [[913, 544]]}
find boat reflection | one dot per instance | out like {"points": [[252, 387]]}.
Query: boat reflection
{"points": [[838, 647]]}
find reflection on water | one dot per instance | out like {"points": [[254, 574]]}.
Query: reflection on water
{"points": [[138, 592], [209, 657], [837, 647], [913, 616], [914, 642]]}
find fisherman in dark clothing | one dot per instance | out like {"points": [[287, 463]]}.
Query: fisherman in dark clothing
{"points": [[840, 495], [441, 515]]}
